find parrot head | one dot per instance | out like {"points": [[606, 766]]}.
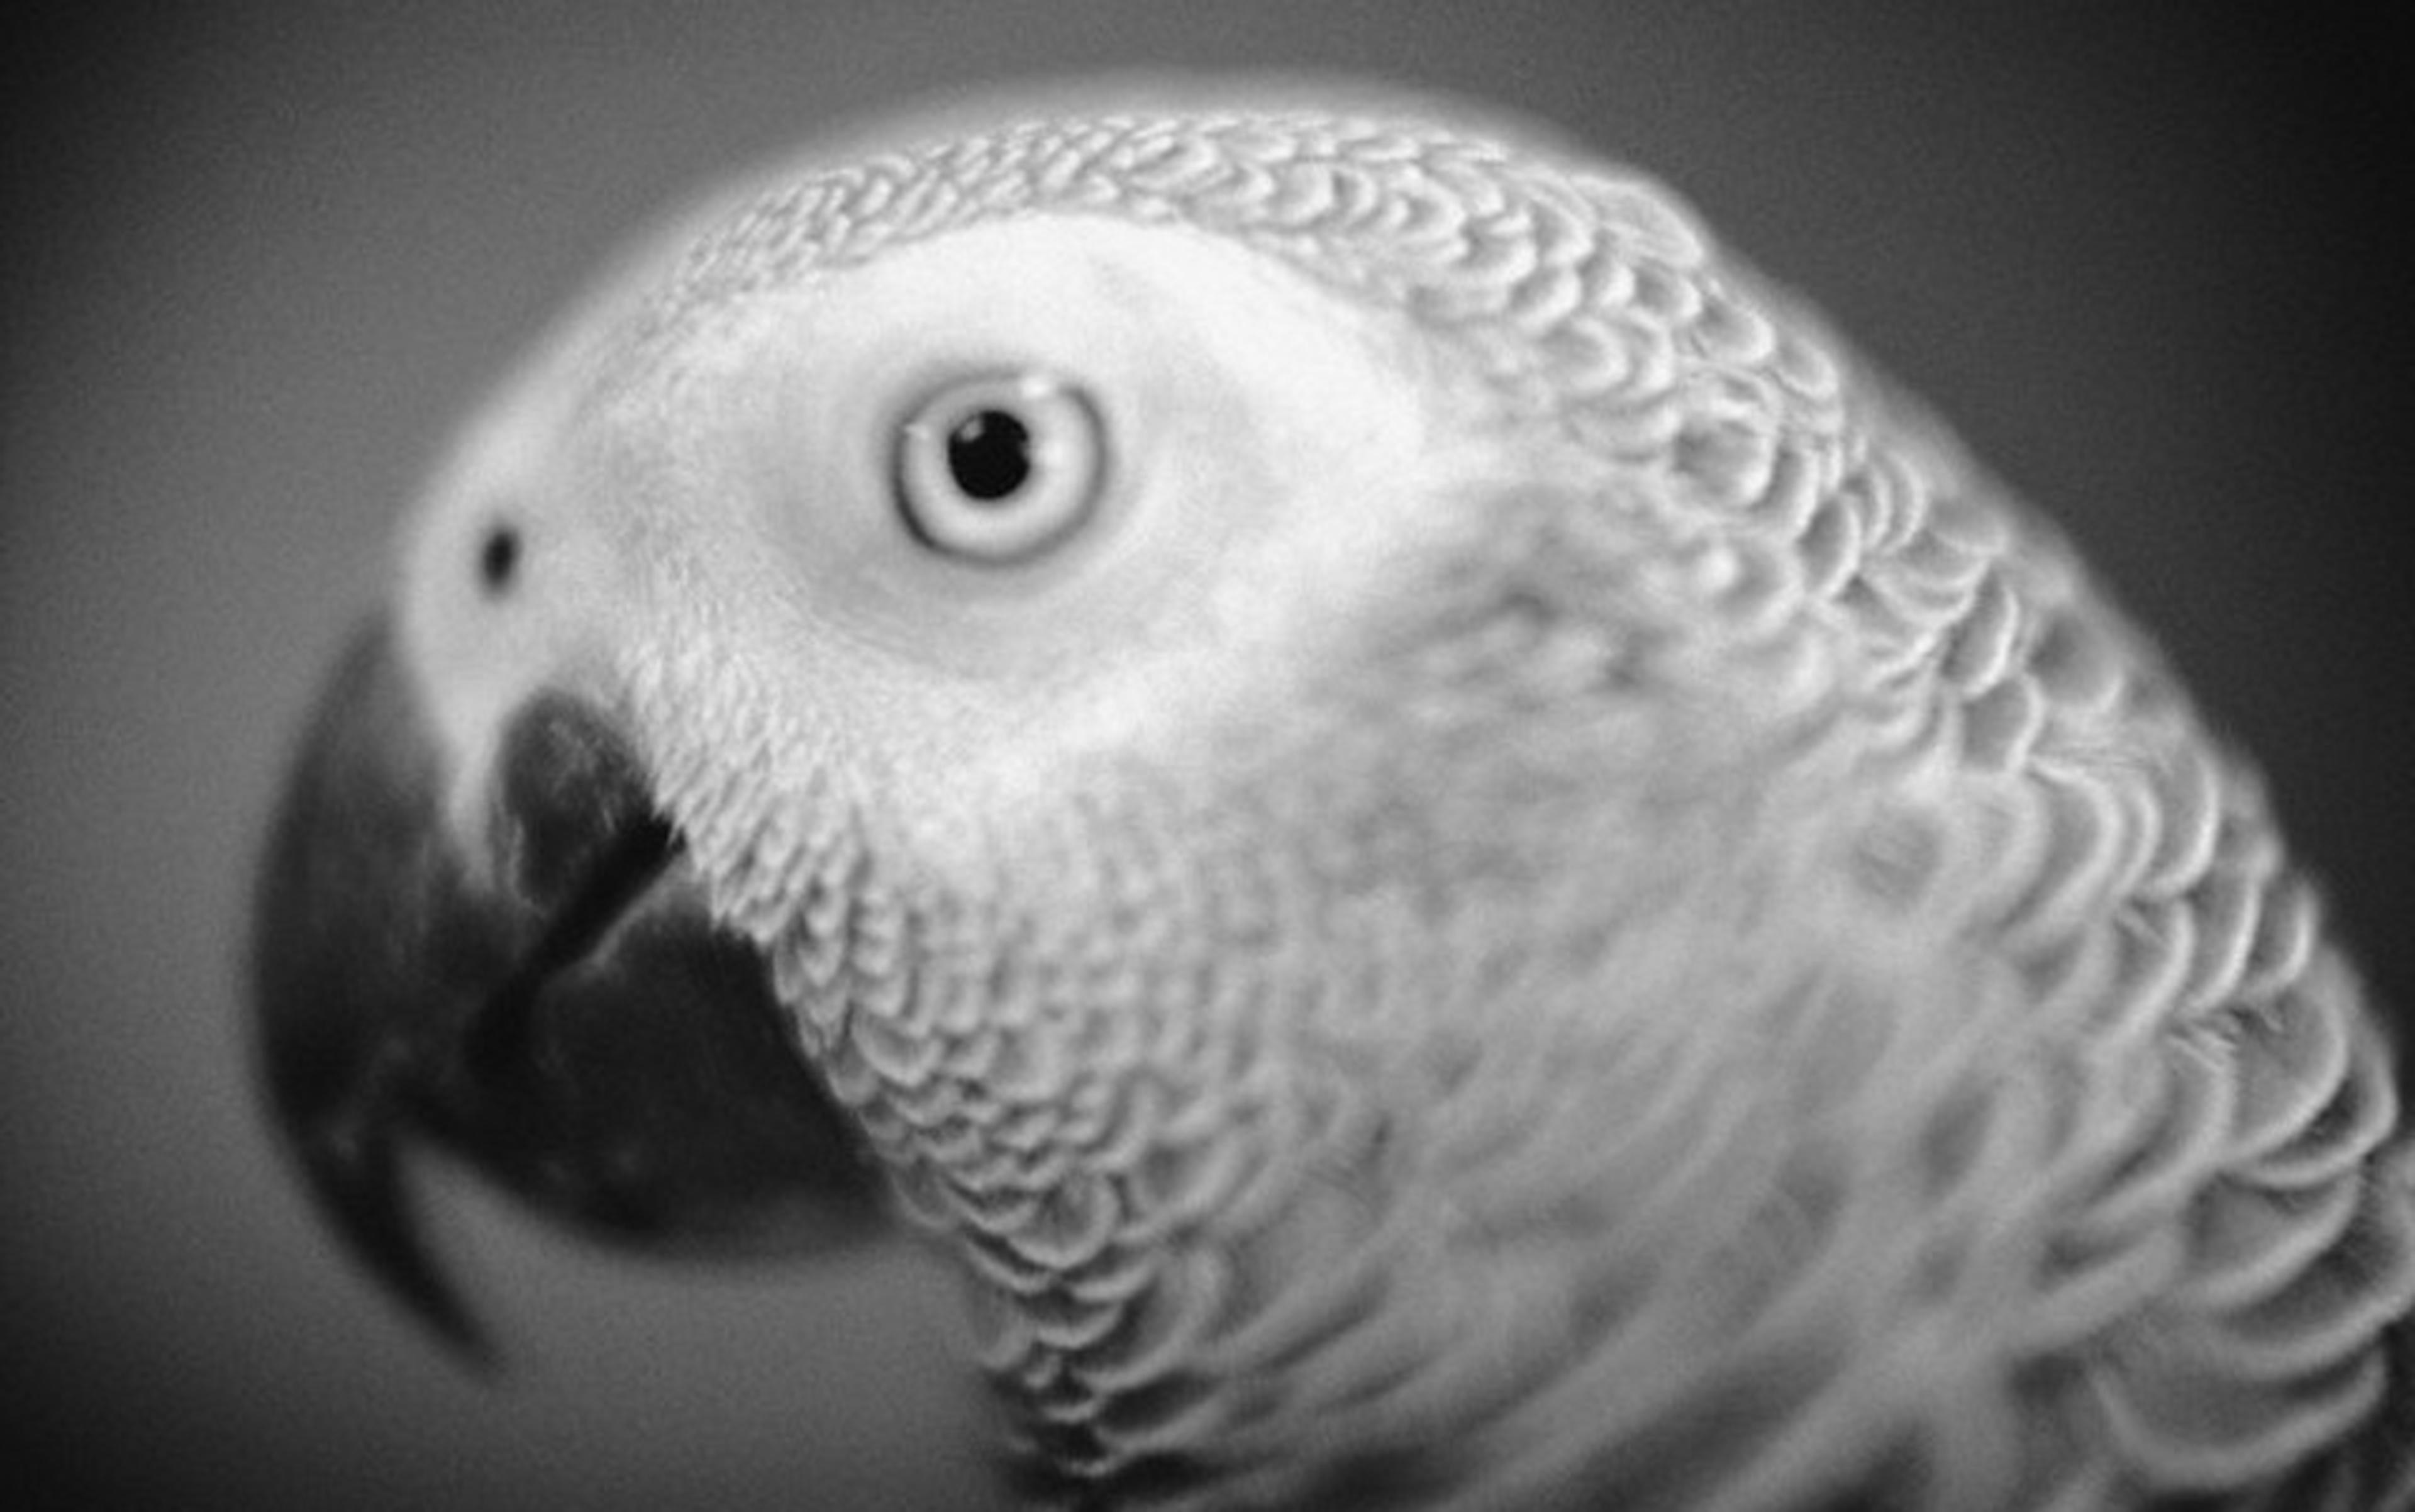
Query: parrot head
{"points": [[721, 633], [906, 666], [1451, 854]]}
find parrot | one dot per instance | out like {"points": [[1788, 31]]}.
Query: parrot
{"points": [[1452, 857]]}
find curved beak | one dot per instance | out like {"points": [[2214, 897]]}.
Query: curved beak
{"points": [[550, 1004]]}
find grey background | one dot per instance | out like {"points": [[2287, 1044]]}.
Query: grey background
{"points": [[254, 261]]}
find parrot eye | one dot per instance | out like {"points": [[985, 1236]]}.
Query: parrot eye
{"points": [[998, 469]]}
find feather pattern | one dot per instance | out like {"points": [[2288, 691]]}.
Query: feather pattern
{"points": [[1905, 1059]]}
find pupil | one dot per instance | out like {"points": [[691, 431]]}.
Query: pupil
{"points": [[989, 455]]}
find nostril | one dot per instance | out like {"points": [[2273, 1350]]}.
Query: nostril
{"points": [[499, 558]]}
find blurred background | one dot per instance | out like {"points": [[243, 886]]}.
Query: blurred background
{"points": [[256, 259]]}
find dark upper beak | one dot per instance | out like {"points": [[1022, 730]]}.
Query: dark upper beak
{"points": [[560, 1013]]}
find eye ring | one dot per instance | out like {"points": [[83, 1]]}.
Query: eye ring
{"points": [[999, 468]]}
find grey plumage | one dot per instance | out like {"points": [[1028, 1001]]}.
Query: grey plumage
{"points": [[1559, 901]]}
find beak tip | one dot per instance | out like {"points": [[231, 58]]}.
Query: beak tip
{"points": [[435, 1305], [334, 947], [361, 1193], [421, 1290], [467, 1342]]}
